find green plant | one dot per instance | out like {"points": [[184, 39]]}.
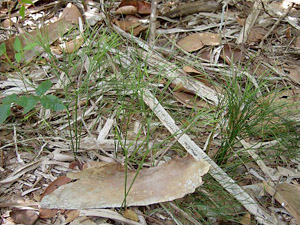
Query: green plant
{"points": [[28, 102], [22, 8]]}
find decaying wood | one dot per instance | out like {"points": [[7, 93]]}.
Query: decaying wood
{"points": [[194, 7]]}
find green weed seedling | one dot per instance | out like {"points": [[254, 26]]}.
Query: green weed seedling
{"points": [[29, 102]]}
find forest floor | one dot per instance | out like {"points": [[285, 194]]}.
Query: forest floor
{"points": [[139, 112]]}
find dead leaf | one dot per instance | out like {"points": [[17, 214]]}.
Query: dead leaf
{"points": [[246, 220], [196, 41], [231, 54], [131, 24], [189, 69], [71, 215], [49, 32], [129, 2], [288, 195], [241, 21], [104, 187], [73, 45], [189, 100], [256, 34], [26, 216], [144, 8], [131, 215], [297, 42], [127, 10], [191, 43], [49, 213], [294, 73], [210, 39]]}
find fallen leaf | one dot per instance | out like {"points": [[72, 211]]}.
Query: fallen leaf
{"points": [[127, 10], [129, 2], [144, 8], [256, 34], [71, 215], [104, 187], [49, 213], [24, 216], [297, 42], [288, 195], [231, 54], [246, 219], [189, 100], [73, 45], [131, 24], [196, 41], [49, 32], [294, 73], [210, 39], [189, 69], [191, 43], [131, 215]]}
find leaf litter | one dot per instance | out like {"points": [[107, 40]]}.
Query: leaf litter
{"points": [[34, 157]]}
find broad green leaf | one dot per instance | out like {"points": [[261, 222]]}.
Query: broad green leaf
{"points": [[26, 2], [10, 99], [17, 45], [2, 49], [18, 56], [22, 11], [4, 112], [43, 87], [30, 46], [52, 102], [27, 102]]}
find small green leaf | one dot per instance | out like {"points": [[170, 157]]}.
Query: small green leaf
{"points": [[27, 102], [2, 49], [19, 56], [43, 87], [52, 102], [10, 99], [17, 45], [4, 112], [30, 46], [26, 2], [22, 11]]}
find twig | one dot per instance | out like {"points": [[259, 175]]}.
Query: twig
{"points": [[153, 16]]}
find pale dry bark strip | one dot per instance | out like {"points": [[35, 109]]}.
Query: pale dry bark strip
{"points": [[216, 172], [250, 21]]}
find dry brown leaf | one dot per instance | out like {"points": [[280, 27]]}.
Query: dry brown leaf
{"points": [[189, 69], [144, 8], [294, 73], [288, 195], [127, 25], [50, 32], [104, 187], [129, 2], [71, 215], [196, 41], [21, 216], [189, 100], [231, 54], [240, 21], [191, 43], [49, 213], [127, 10], [246, 219], [256, 34], [297, 42], [131, 215], [73, 45], [210, 39]]}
